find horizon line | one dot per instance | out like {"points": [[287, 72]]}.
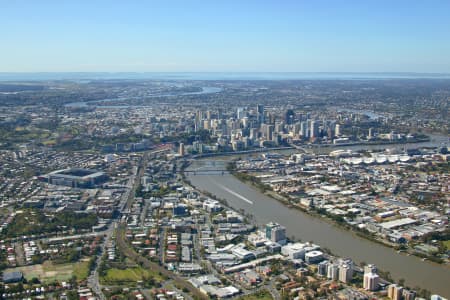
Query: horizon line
{"points": [[225, 72]]}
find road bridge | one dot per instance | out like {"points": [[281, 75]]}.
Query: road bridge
{"points": [[204, 170]]}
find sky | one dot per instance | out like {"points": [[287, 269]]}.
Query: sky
{"points": [[225, 36]]}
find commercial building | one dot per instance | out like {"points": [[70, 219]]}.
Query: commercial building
{"points": [[294, 251], [180, 210], [242, 254], [314, 257], [276, 233]]}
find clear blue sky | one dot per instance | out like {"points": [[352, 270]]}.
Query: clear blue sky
{"points": [[225, 36]]}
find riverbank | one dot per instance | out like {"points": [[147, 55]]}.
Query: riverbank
{"points": [[371, 143], [343, 243], [337, 221], [249, 218], [254, 182]]}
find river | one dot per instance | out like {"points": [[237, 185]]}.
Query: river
{"points": [[416, 272], [205, 90]]}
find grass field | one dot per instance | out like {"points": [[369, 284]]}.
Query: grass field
{"points": [[261, 295], [130, 275], [48, 272], [447, 244], [81, 270]]}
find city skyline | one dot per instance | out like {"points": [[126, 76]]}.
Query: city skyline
{"points": [[230, 36]]}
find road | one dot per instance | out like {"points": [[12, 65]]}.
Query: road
{"points": [[93, 279], [124, 204], [129, 252]]}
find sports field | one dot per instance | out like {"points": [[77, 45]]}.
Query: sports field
{"points": [[48, 272], [130, 275]]}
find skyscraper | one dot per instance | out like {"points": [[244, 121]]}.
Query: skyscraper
{"points": [[253, 133], [337, 130], [289, 117], [240, 113], [304, 129], [314, 131], [370, 136], [181, 150], [260, 113], [269, 132]]}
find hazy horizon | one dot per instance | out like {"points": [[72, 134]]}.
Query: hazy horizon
{"points": [[37, 76]]}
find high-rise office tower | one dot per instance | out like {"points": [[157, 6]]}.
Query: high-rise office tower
{"points": [[275, 232], [304, 129], [240, 112], [269, 132], [181, 150], [314, 131], [289, 117], [245, 122], [253, 133], [296, 128], [260, 113], [279, 127], [370, 135], [337, 130]]}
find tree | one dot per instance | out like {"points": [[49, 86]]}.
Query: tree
{"points": [[35, 280], [72, 295]]}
